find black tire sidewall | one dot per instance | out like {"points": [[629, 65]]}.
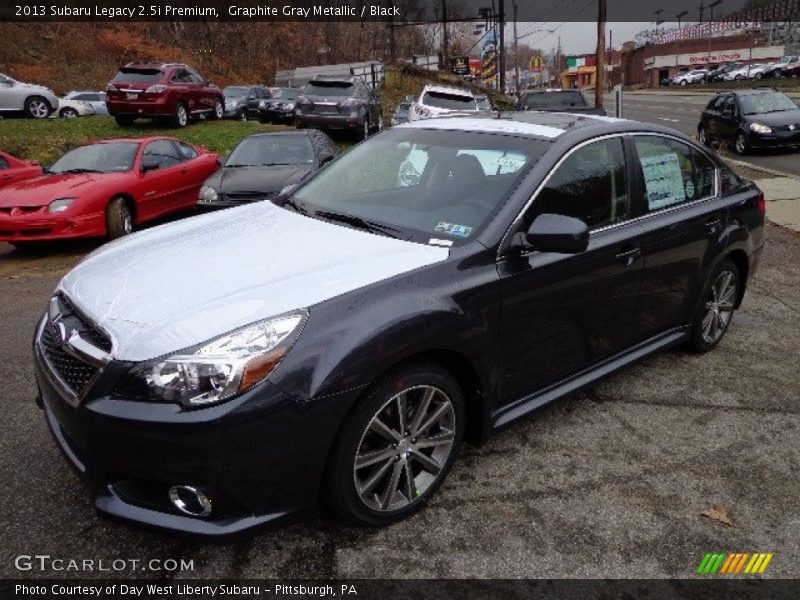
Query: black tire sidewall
{"points": [[698, 344], [115, 221], [341, 493]]}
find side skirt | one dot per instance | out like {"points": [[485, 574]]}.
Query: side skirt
{"points": [[581, 379]]}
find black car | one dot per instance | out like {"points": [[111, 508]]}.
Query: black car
{"points": [[280, 107], [241, 101], [339, 103], [557, 101], [750, 120], [263, 164], [342, 342]]}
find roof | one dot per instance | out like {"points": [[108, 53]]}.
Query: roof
{"points": [[447, 89], [152, 65], [547, 125]]}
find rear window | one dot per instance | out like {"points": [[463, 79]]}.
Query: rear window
{"points": [[449, 101], [331, 88], [551, 100], [138, 76]]}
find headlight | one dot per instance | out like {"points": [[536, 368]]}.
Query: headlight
{"points": [[759, 128], [262, 103], [60, 205], [289, 106], [207, 194], [219, 369]]}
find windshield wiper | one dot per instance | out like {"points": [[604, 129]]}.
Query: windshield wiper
{"points": [[358, 222], [291, 203], [77, 171]]}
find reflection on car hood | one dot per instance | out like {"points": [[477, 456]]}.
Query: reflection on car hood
{"points": [[42, 190], [256, 179], [178, 285], [776, 119]]}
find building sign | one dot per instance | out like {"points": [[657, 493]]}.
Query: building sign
{"points": [[536, 63], [715, 57], [459, 65]]}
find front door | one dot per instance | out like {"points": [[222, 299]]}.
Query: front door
{"points": [[562, 313]]}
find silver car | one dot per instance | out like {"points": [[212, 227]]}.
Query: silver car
{"points": [[34, 101], [96, 99]]}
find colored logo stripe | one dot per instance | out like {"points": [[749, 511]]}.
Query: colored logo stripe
{"points": [[722, 562]]}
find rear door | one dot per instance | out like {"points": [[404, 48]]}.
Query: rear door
{"points": [[682, 222], [563, 313]]}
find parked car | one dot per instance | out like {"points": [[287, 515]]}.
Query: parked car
{"points": [[440, 100], [558, 101], [104, 189], [750, 120], [781, 68], [69, 109], [329, 103], [96, 99], [263, 164], [280, 107], [170, 91], [17, 97], [760, 71], [401, 113], [665, 81], [342, 342], [687, 77], [14, 169], [719, 73], [241, 101]]}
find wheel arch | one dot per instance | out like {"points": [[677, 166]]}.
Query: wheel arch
{"points": [[739, 258]]}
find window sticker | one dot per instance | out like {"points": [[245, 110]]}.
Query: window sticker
{"points": [[663, 180], [689, 189], [453, 229]]}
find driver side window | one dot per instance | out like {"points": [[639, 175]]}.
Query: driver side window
{"points": [[164, 152]]}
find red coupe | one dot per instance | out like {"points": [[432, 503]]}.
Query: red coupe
{"points": [[13, 169], [103, 189]]}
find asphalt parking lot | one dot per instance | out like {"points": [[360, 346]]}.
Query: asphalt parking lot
{"points": [[607, 483]]}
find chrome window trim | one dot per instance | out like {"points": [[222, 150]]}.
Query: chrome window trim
{"points": [[640, 218]]}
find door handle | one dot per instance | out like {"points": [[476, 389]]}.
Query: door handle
{"points": [[628, 257], [713, 225], [185, 170]]}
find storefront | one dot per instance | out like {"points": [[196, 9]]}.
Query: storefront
{"points": [[662, 66]]}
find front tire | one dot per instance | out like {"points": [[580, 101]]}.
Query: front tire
{"points": [[702, 136], [37, 107], [397, 446], [740, 144], [119, 220], [68, 113], [714, 315]]}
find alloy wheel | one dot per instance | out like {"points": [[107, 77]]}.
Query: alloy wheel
{"points": [[182, 116], [218, 110], [719, 307], [741, 144], [404, 448], [127, 220], [38, 109], [701, 136], [69, 113]]}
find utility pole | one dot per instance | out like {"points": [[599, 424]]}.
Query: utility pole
{"points": [[601, 54], [445, 39], [392, 47], [501, 55], [702, 9], [516, 48]]}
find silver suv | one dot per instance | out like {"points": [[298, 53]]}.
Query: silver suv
{"points": [[35, 101]]}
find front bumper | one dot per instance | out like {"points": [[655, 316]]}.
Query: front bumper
{"points": [[775, 140], [243, 453], [276, 115], [328, 121], [43, 226]]}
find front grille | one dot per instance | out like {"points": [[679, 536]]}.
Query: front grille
{"points": [[327, 109], [77, 374]]}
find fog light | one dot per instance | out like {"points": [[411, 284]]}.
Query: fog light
{"points": [[190, 500]]}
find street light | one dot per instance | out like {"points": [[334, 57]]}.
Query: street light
{"points": [[711, 6]]}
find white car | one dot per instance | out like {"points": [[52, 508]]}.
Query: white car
{"points": [[695, 76], [96, 99], [69, 109], [439, 100], [34, 101]]}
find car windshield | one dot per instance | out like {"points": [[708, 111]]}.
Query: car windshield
{"points": [[449, 101], [97, 158], [429, 186], [551, 100], [754, 104], [268, 150], [235, 91], [138, 76], [330, 88], [284, 94]]}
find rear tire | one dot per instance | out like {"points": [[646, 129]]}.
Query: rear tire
{"points": [[181, 116], [37, 107], [410, 456], [715, 312], [119, 220], [124, 121]]}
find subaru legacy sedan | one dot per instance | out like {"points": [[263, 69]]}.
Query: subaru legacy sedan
{"points": [[336, 346]]}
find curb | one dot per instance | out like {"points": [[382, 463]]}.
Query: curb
{"points": [[766, 170]]}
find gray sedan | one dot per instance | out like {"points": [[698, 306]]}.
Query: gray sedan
{"points": [[34, 101]]}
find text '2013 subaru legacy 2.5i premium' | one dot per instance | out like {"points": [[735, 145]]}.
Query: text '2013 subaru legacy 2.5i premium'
{"points": [[340, 343]]}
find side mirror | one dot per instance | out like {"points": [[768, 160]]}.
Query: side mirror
{"points": [[556, 233], [150, 163], [325, 158]]}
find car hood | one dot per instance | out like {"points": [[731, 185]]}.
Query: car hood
{"points": [[786, 117], [175, 286], [42, 190], [34, 87], [256, 179]]}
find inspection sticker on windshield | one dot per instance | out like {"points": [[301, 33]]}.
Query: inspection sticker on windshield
{"points": [[454, 229]]}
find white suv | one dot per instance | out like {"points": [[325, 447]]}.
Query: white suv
{"points": [[438, 100]]}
